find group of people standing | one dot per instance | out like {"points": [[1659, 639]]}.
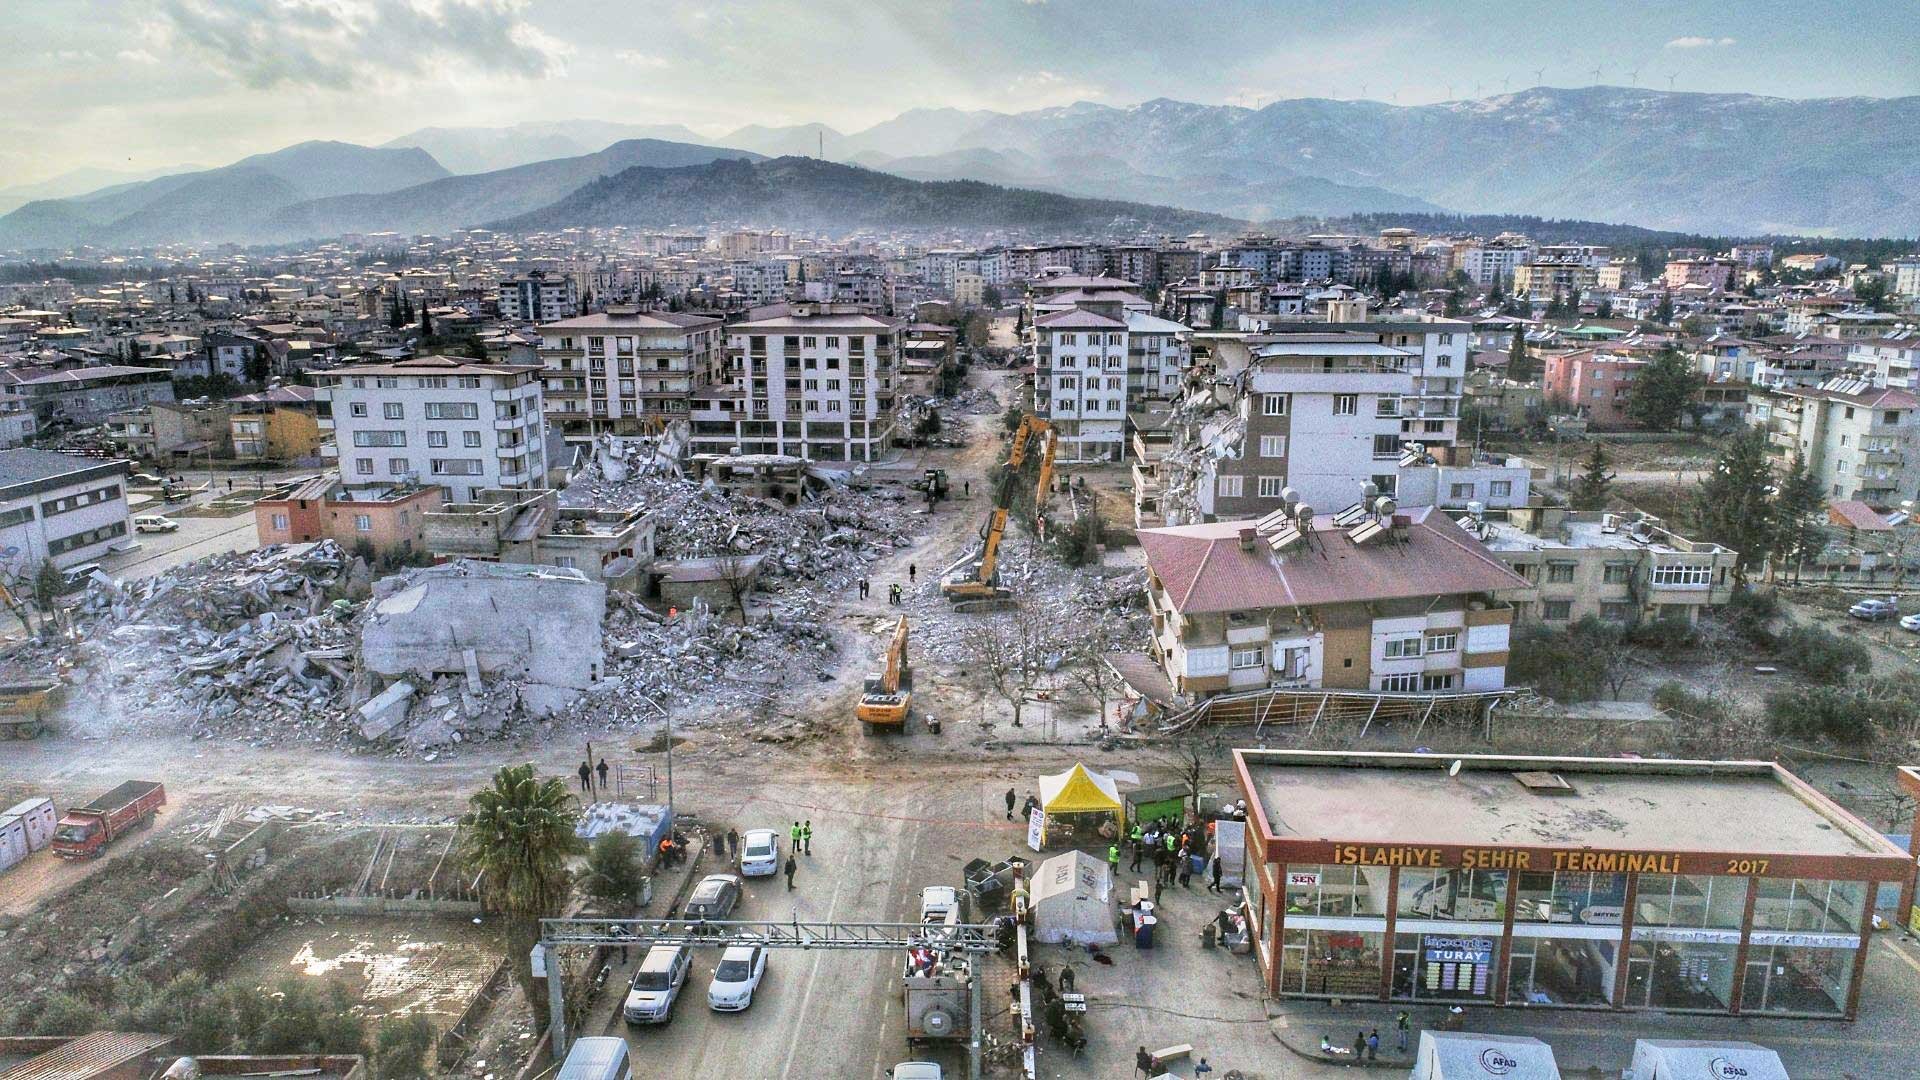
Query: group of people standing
{"points": [[894, 593], [1178, 852]]}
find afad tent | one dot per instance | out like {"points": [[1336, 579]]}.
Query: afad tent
{"points": [[1079, 798], [1460, 1055], [1681, 1059], [1073, 900]]}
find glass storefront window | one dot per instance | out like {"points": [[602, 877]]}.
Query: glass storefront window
{"points": [[1561, 971], [1444, 967], [1331, 963], [1534, 903], [1680, 974], [1592, 899], [1809, 905], [1474, 895], [1336, 890], [1792, 979], [1698, 901]]}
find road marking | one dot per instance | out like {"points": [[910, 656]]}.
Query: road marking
{"points": [[1901, 953], [813, 979]]}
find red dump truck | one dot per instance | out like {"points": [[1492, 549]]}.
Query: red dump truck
{"points": [[85, 831]]}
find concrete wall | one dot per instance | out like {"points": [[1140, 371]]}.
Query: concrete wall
{"points": [[540, 624]]}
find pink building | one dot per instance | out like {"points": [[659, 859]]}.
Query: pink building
{"points": [[1597, 384], [1712, 273], [391, 518]]}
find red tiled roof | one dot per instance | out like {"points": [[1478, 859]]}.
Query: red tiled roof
{"points": [[1204, 568]]}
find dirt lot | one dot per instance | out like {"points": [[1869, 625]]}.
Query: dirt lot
{"points": [[392, 966]]}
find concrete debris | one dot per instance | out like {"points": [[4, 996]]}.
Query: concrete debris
{"points": [[1100, 602]]}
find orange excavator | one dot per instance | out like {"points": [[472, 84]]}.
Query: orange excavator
{"points": [[887, 697]]}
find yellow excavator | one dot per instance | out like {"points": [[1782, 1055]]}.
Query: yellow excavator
{"points": [[973, 583], [1031, 425], [886, 697]]}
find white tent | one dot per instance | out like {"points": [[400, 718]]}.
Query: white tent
{"points": [[1073, 900], [1461, 1055], [1681, 1059]]}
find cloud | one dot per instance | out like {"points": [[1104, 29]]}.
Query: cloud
{"points": [[636, 58], [1691, 42], [136, 56], [336, 44]]}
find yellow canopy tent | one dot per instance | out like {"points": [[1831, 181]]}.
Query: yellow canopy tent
{"points": [[1080, 791]]}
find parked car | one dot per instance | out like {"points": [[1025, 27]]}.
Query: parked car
{"points": [[737, 977], [75, 578], [759, 852], [916, 1070], [1910, 622], [155, 523], [1875, 610], [141, 479], [656, 986], [714, 898]]}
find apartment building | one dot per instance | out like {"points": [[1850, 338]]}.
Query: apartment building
{"points": [[610, 545], [1887, 361], [1708, 273], [1541, 280], [1597, 383], [62, 508], [537, 296], [814, 383], [280, 424], [625, 371], [88, 395], [1860, 441], [1617, 568], [1407, 603], [1485, 263], [1080, 381], [1906, 277], [441, 420]]}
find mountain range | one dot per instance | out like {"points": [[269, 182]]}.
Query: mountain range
{"points": [[806, 193]]}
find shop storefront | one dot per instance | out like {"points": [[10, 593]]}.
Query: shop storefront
{"points": [[1646, 924]]}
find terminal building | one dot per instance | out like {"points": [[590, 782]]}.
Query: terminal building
{"points": [[1683, 886]]}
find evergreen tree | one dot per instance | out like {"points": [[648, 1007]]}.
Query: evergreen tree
{"points": [[396, 318], [1453, 304], [1736, 508], [133, 350], [1662, 391], [1604, 310], [1519, 364], [1799, 507], [193, 294], [1664, 313], [1498, 290], [1591, 487], [1218, 319], [426, 320]]}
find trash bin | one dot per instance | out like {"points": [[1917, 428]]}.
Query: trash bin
{"points": [[1143, 932], [933, 725]]}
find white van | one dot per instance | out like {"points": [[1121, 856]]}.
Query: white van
{"points": [[597, 1058], [656, 986], [154, 523]]}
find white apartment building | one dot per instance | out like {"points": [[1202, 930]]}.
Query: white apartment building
{"points": [[1887, 361], [622, 371], [1860, 441], [1080, 383], [537, 296], [1408, 604], [1906, 277], [816, 383], [1159, 352], [441, 420], [1436, 351], [59, 507], [1483, 263]]}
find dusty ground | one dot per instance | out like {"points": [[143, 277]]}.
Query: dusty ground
{"points": [[393, 966]]}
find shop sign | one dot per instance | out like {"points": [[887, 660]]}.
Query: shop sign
{"points": [[1806, 941], [1686, 937], [1599, 862], [1303, 879], [1457, 950]]}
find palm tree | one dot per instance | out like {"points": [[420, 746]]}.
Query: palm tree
{"points": [[518, 835]]}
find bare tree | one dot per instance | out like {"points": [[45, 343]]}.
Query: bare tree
{"points": [[1009, 652], [1192, 754], [1089, 672], [738, 573]]}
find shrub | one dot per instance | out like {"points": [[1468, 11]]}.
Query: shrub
{"points": [[614, 874], [401, 1047], [1823, 656], [1750, 614], [1666, 635], [1678, 698], [1078, 544], [1557, 663]]}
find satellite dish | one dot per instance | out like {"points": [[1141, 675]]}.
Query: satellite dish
{"points": [[1454, 769]]}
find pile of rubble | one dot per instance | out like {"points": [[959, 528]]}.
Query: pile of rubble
{"points": [[241, 644], [1091, 603]]}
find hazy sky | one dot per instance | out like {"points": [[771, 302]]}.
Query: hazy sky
{"points": [[137, 84]]}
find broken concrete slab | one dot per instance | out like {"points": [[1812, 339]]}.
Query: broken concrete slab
{"points": [[386, 711]]}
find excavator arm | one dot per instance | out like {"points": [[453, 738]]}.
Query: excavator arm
{"points": [[896, 658]]}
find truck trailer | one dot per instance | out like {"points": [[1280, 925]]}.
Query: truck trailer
{"points": [[85, 831]]}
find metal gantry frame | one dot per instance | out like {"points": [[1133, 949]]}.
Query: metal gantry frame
{"points": [[976, 939]]}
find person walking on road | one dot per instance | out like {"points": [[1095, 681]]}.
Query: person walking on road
{"points": [[1143, 1063], [1401, 1025], [602, 770], [1359, 1045], [1139, 849], [1373, 1045], [806, 836], [793, 839], [586, 777], [1066, 978], [1113, 858], [1011, 799], [1214, 885], [791, 867], [913, 573], [733, 842], [863, 588]]}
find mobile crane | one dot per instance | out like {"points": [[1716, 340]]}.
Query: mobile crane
{"points": [[886, 697]]}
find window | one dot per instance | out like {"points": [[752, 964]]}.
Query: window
{"points": [[393, 410], [1434, 426], [455, 467], [1446, 339], [1399, 684], [356, 408], [1560, 572], [362, 523], [1228, 487], [1500, 488], [1616, 612], [470, 439], [1249, 658], [1442, 640], [397, 466], [1617, 573], [452, 410], [1386, 446], [437, 439], [1403, 648], [1433, 683], [1346, 404], [1675, 576], [1386, 406], [1461, 491], [379, 438], [1273, 404], [363, 466], [1270, 486], [280, 522], [1556, 610], [386, 382]]}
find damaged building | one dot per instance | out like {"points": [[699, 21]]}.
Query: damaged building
{"points": [[612, 545], [538, 626]]}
